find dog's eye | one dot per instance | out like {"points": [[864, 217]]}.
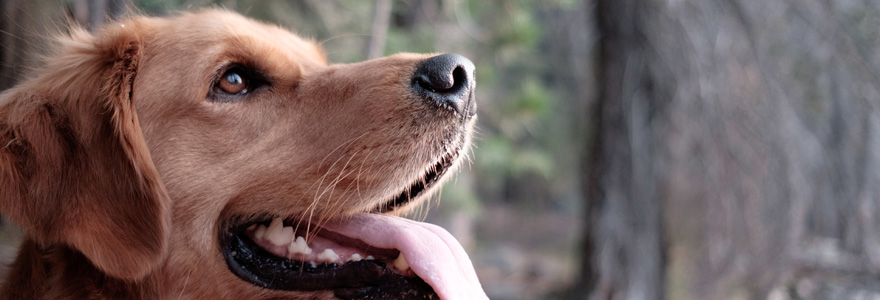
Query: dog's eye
{"points": [[236, 82], [233, 82]]}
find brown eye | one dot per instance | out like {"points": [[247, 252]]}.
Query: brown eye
{"points": [[233, 82]]}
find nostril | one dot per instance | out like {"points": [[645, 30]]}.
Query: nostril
{"points": [[447, 80], [434, 86], [440, 83], [459, 75]]}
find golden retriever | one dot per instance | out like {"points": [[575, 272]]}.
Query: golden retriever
{"points": [[209, 156]]}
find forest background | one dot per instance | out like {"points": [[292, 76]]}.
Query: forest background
{"points": [[626, 149]]}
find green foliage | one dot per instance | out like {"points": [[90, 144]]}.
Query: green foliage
{"points": [[514, 151], [495, 154], [502, 159], [458, 196], [521, 28], [532, 101]]}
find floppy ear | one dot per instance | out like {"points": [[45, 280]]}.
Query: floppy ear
{"points": [[75, 170]]}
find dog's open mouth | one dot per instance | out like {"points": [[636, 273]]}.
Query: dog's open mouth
{"points": [[281, 256], [368, 256]]}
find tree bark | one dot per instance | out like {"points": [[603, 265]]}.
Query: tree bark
{"points": [[624, 254], [756, 126]]}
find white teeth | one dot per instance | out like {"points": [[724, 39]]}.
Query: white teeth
{"points": [[278, 234], [328, 255], [299, 246], [355, 257], [400, 263], [286, 236], [370, 257], [313, 264], [274, 227], [260, 232]]}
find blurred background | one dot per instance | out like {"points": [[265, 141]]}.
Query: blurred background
{"points": [[626, 149]]}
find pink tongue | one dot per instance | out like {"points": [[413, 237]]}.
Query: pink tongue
{"points": [[430, 250]]}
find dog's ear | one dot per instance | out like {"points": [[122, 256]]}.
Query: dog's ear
{"points": [[75, 170]]}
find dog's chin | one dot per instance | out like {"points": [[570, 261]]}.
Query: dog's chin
{"points": [[283, 253]]}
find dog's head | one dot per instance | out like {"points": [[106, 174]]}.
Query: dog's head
{"points": [[226, 157]]}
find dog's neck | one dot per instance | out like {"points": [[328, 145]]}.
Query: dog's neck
{"points": [[59, 272]]}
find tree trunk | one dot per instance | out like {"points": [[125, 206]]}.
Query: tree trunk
{"points": [[624, 255], [756, 125]]}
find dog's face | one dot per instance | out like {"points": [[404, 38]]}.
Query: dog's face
{"points": [[254, 140], [256, 126]]}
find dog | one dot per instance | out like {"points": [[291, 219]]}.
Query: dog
{"points": [[209, 156]]}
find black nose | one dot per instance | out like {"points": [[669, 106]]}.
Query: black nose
{"points": [[447, 81]]}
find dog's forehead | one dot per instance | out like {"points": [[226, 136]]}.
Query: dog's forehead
{"points": [[234, 35]]}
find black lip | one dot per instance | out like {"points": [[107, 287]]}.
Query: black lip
{"points": [[423, 184], [353, 280]]}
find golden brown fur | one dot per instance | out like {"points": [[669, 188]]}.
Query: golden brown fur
{"points": [[121, 171]]}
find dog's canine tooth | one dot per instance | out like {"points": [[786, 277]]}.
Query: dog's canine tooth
{"points": [[286, 236], [278, 234], [276, 224]]}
